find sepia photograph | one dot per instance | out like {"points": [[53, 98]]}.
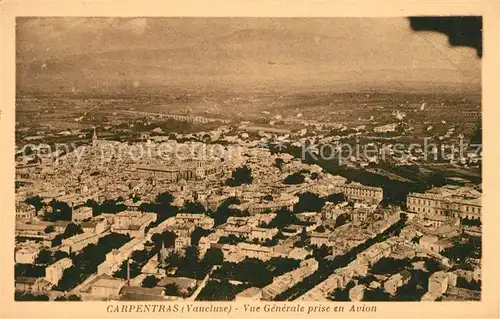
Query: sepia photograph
{"points": [[248, 159]]}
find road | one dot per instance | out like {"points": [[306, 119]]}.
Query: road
{"points": [[202, 284], [328, 268]]}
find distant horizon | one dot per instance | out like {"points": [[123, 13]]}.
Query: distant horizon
{"points": [[147, 54]]}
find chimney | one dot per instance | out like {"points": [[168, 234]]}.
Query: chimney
{"points": [[128, 272]]}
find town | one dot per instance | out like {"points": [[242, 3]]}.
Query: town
{"points": [[247, 221]]}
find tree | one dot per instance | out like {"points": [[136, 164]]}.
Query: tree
{"points": [[390, 266], [164, 198], [268, 197], [20, 296], [49, 229], [293, 179], [283, 218], [58, 255], [303, 235], [194, 207], [172, 290], [60, 211], [377, 294], [44, 257], [197, 234], [72, 230], [309, 202], [150, 282], [320, 229], [224, 211], [35, 201], [432, 265], [213, 256], [241, 175], [336, 198], [342, 219], [279, 163]]}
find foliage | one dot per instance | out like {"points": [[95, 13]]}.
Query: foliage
{"points": [[44, 257], [241, 175], [20, 296], [390, 266], [294, 179], [222, 290], [35, 201], [309, 202], [197, 234], [150, 282], [193, 207], [172, 290]]}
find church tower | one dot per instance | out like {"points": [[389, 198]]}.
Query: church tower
{"points": [[94, 138]]}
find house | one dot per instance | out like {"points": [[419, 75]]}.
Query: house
{"points": [[199, 220], [250, 294], [438, 283], [98, 225], [54, 272], [78, 242], [31, 284], [142, 294], [25, 211], [356, 293], [434, 244], [360, 214], [132, 223], [186, 285], [106, 287], [182, 234], [27, 252], [394, 282], [319, 239], [81, 213]]}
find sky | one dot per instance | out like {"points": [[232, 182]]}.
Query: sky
{"points": [[120, 54]]}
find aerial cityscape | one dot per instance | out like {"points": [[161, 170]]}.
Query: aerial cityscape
{"points": [[246, 159]]}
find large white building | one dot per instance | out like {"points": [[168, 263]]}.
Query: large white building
{"points": [[449, 201]]}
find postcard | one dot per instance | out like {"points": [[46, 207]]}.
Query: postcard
{"points": [[250, 159]]}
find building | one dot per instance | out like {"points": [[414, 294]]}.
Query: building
{"points": [[80, 241], [54, 272], [27, 252], [183, 232], [250, 294], [319, 239], [199, 220], [31, 284], [25, 211], [128, 293], [438, 283], [290, 279], [385, 128], [356, 293], [392, 284], [434, 244], [186, 285], [450, 201], [98, 225], [360, 214], [132, 223], [254, 251], [359, 192], [105, 287], [81, 213], [116, 257]]}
